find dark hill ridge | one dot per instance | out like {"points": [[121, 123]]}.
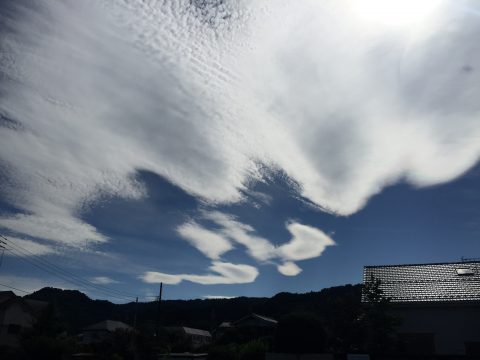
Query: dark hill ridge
{"points": [[76, 310]]}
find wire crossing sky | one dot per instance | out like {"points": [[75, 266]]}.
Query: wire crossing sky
{"points": [[233, 148]]}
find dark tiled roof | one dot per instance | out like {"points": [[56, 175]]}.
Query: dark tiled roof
{"points": [[439, 282], [192, 331], [109, 325], [258, 317]]}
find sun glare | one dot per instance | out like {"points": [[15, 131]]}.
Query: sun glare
{"points": [[395, 12]]}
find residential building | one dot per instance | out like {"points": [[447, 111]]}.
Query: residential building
{"points": [[17, 316], [255, 320], [438, 305], [103, 331], [250, 327], [195, 338]]}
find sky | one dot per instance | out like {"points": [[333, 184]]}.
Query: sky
{"points": [[234, 148]]}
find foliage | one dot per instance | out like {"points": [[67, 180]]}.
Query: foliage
{"points": [[252, 350], [373, 292], [78, 311], [300, 333], [376, 323], [223, 352], [46, 339], [336, 313], [345, 334], [44, 347], [118, 346]]}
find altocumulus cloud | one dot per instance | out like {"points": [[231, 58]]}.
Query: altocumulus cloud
{"points": [[94, 91], [206, 241], [220, 273], [306, 243]]}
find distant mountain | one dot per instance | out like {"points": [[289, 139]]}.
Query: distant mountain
{"points": [[76, 310]]}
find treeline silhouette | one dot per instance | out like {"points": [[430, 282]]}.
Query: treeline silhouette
{"points": [[336, 306]]}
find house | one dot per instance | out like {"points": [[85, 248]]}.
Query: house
{"points": [[195, 338], [17, 316], [102, 331], [250, 327], [438, 304], [255, 320]]}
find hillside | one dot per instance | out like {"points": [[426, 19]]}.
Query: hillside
{"points": [[77, 310]]}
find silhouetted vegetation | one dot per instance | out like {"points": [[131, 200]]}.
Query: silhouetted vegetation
{"points": [[331, 320], [300, 333], [376, 324], [77, 310]]}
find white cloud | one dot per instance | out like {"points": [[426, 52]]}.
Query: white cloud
{"points": [[158, 277], [61, 229], [307, 243], [221, 273], [32, 248], [103, 280], [259, 248], [345, 109], [289, 268], [206, 241]]}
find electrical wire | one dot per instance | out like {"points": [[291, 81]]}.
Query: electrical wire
{"points": [[53, 269], [77, 283], [65, 272], [14, 288]]}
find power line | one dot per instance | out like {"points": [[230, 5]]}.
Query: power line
{"points": [[65, 272], [2, 246], [14, 288], [63, 277], [53, 269]]}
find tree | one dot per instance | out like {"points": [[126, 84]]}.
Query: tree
{"points": [[300, 333], [46, 339], [377, 323]]}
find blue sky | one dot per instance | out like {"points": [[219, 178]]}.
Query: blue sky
{"points": [[400, 225], [235, 148]]}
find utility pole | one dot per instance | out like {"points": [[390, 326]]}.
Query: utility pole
{"points": [[157, 322], [2, 247], [135, 315]]}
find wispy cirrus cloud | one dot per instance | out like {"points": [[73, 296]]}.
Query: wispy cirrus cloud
{"points": [[345, 109], [62, 229], [103, 280], [25, 247]]}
